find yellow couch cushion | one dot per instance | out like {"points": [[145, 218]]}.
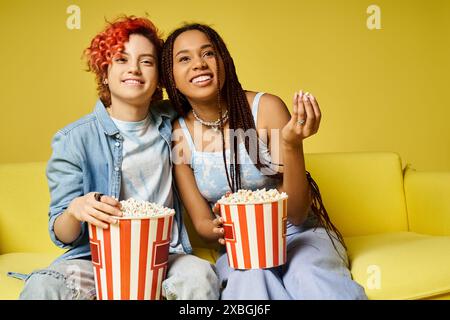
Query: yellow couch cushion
{"points": [[440, 297], [403, 265], [24, 199], [10, 288], [210, 255], [428, 199]]}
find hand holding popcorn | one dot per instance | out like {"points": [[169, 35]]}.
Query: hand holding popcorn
{"points": [[218, 222], [218, 229], [99, 211], [305, 120]]}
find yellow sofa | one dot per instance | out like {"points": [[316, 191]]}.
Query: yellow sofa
{"points": [[396, 223]]}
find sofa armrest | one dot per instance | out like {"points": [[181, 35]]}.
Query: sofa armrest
{"points": [[428, 201]]}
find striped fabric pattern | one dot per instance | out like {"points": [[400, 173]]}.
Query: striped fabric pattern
{"points": [[130, 258], [255, 234]]}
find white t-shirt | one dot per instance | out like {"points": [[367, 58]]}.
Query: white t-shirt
{"points": [[146, 169]]}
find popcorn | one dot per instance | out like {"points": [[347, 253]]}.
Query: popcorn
{"points": [[133, 208], [243, 196]]}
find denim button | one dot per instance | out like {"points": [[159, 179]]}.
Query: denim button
{"points": [[116, 168], [117, 144]]}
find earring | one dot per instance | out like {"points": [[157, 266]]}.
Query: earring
{"points": [[105, 81]]}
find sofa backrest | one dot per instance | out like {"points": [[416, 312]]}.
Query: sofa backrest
{"points": [[24, 200], [362, 192]]}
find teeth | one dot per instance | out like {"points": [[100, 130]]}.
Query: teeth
{"points": [[132, 81], [200, 79]]}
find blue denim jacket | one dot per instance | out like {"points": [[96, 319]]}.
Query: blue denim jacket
{"points": [[87, 157]]}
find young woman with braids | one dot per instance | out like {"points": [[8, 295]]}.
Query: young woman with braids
{"points": [[200, 78]]}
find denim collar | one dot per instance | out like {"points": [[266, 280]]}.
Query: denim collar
{"points": [[104, 119]]}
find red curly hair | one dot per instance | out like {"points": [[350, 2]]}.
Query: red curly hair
{"points": [[108, 43]]}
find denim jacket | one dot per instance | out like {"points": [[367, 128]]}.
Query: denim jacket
{"points": [[87, 157]]}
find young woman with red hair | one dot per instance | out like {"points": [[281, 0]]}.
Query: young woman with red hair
{"points": [[119, 151]]}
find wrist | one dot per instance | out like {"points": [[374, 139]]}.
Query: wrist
{"points": [[70, 210], [70, 216], [286, 146]]}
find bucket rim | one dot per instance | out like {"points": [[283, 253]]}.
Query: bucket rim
{"points": [[258, 202], [172, 213]]}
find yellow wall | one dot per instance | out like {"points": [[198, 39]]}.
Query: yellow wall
{"points": [[378, 89]]}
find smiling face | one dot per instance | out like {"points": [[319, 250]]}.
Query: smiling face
{"points": [[133, 73], [195, 68]]}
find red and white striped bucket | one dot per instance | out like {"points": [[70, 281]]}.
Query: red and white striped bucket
{"points": [[130, 257], [255, 234]]}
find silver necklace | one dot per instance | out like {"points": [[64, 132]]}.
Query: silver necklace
{"points": [[212, 124]]}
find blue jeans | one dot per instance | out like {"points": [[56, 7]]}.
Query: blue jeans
{"points": [[188, 277]]}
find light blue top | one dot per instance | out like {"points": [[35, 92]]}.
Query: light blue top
{"points": [[209, 169], [87, 156], [211, 179]]}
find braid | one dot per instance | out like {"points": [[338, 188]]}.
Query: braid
{"points": [[322, 216], [168, 81], [240, 117], [230, 176]]}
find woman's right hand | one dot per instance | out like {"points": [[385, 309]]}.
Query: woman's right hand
{"points": [[218, 224], [99, 213], [218, 221]]}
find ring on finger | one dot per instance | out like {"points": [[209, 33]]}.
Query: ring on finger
{"points": [[301, 122], [98, 196]]}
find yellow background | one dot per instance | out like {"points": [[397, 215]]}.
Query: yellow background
{"points": [[379, 90]]}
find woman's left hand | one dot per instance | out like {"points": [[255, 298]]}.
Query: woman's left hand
{"points": [[305, 120]]}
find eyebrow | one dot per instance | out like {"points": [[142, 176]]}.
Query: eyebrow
{"points": [[144, 54], [208, 45]]}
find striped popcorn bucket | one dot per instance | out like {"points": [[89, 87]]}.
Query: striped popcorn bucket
{"points": [[130, 257], [255, 234]]}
